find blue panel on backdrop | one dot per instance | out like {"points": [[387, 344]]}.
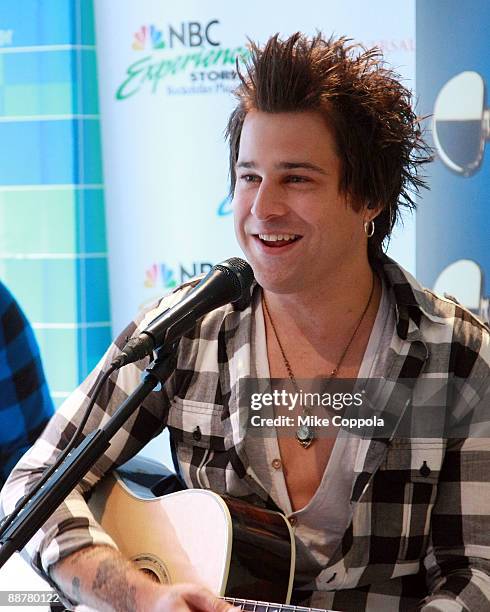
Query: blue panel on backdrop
{"points": [[453, 83], [37, 22], [94, 342], [36, 152], [92, 299], [52, 151], [38, 68]]}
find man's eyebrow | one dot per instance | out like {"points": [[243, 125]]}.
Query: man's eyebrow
{"points": [[293, 165], [245, 164], [301, 164]]}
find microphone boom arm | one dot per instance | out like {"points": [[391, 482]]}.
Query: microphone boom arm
{"points": [[31, 518]]}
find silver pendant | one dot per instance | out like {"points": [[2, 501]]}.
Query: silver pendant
{"points": [[304, 435]]}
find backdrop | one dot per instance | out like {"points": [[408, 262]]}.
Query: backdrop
{"points": [[166, 71], [453, 221]]}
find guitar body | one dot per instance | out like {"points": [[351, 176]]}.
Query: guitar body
{"points": [[233, 548], [236, 550]]}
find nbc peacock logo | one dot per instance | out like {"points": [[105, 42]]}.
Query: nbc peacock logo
{"points": [[188, 55], [148, 38], [162, 273]]}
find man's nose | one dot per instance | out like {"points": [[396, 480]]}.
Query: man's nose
{"points": [[268, 202]]}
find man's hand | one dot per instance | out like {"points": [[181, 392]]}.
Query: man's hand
{"points": [[101, 578], [189, 597]]}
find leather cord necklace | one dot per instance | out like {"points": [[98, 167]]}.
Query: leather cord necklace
{"points": [[304, 434]]}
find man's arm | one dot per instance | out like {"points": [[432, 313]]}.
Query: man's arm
{"points": [[72, 526], [458, 562], [101, 578]]}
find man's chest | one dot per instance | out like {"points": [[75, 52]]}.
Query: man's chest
{"points": [[304, 468]]}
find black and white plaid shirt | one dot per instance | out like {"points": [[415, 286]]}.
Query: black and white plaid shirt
{"points": [[414, 534]]}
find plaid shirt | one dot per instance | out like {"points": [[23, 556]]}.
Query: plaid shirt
{"points": [[416, 539], [25, 403]]}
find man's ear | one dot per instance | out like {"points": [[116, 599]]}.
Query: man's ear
{"points": [[374, 206]]}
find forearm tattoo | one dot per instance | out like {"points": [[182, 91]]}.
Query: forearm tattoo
{"points": [[110, 585], [75, 587]]}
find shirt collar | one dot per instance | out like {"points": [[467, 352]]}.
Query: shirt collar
{"points": [[412, 301], [409, 293]]}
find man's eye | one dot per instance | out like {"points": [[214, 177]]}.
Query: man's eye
{"points": [[249, 178], [294, 178]]}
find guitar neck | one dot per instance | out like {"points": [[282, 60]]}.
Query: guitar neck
{"points": [[262, 606]]}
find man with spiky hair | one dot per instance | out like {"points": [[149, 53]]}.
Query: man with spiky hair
{"points": [[325, 151]]}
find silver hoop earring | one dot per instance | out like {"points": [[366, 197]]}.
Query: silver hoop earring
{"points": [[369, 228]]}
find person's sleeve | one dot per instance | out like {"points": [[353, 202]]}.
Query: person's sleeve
{"points": [[72, 526], [25, 405], [458, 562]]}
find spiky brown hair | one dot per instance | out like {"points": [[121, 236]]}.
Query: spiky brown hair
{"points": [[378, 135]]}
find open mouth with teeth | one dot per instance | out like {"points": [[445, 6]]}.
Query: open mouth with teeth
{"points": [[277, 240]]}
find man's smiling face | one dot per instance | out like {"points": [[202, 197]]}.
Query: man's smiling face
{"points": [[292, 223]]}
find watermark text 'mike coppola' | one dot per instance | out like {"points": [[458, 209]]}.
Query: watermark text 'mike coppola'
{"points": [[315, 421]]}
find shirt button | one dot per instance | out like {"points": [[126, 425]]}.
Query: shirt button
{"points": [[424, 470], [276, 464], [293, 521], [196, 434]]}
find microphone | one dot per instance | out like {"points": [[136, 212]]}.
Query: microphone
{"points": [[226, 282]]}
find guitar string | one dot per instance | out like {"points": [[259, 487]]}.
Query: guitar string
{"points": [[267, 605]]}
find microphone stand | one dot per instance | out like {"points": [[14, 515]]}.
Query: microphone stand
{"points": [[31, 518]]}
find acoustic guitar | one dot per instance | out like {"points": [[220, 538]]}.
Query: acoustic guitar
{"points": [[236, 550]]}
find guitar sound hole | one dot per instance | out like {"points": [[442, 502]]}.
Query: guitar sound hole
{"points": [[151, 574], [153, 567]]}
